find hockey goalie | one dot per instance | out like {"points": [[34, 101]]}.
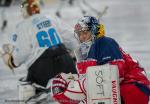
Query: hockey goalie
{"points": [[105, 50]]}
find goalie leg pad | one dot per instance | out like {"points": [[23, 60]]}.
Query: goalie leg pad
{"points": [[26, 91]]}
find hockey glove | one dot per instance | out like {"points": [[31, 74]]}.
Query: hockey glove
{"points": [[7, 55], [58, 85], [67, 92]]}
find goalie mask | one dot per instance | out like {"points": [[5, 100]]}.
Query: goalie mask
{"points": [[30, 7], [91, 24]]}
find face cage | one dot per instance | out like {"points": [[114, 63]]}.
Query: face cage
{"points": [[77, 36], [76, 32]]}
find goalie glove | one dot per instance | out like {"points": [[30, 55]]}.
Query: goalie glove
{"points": [[67, 90], [7, 55], [73, 94], [60, 82], [58, 85]]}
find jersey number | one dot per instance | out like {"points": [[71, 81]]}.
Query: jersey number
{"points": [[48, 39]]}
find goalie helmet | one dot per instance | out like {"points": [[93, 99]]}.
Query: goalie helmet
{"points": [[89, 23], [30, 7]]}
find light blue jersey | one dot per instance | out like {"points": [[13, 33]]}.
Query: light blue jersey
{"points": [[37, 33]]}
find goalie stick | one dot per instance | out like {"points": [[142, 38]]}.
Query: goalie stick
{"points": [[99, 13]]}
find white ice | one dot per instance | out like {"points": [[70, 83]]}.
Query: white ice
{"points": [[127, 21]]}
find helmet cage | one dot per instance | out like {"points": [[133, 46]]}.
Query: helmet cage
{"points": [[79, 28], [87, 23]]}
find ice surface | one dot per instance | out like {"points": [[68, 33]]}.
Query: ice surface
{"points": [[127, 21]]}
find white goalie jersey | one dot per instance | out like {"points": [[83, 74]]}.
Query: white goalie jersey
{"points": [[37, 33]]}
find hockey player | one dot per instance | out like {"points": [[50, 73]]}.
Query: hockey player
{"points": [[39, 46], [94, 45], [106, 50]]}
